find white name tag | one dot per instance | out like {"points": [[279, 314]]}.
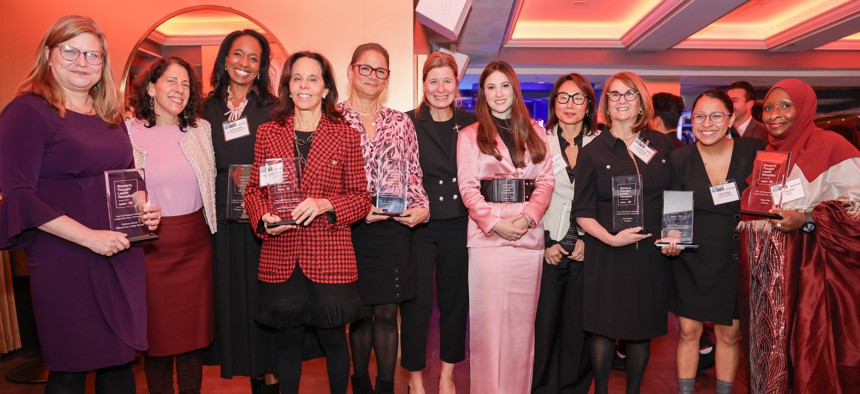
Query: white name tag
{"points": [[793, 190], [271, 174], [725, 192], [558, 164], [236, 129], [642, 150]]}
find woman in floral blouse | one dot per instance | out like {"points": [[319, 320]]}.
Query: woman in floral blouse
{"points": [[386, 275]]}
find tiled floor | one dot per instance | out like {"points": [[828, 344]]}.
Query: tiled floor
{"points": [[659, 378]]}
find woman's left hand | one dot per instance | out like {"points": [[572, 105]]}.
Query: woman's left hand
{"points": [[413, 216], [791, 220], [309, 209], [151, 216], [578, 253]]}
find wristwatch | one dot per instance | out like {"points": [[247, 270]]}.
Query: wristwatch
{"points": [[809, 226]]}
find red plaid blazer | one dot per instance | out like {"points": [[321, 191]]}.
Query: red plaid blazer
{"points": [[335, 171]]}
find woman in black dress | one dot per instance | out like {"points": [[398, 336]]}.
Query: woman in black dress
{"points": [[706, 279], [626, 277], [240, 101], [439, 246]]}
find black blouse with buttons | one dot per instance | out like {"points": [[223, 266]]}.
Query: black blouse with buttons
{"points": [[437, 148]]}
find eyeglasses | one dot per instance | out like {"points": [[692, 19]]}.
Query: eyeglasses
{"points": [[71, 54], [365, 70], [563, 98], [630, 95], [716, 117]]}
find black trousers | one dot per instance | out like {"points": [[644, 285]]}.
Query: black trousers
{"points": [[562, 350], [438, 247]]}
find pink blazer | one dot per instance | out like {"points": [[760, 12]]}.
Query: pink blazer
{"points": [[474, 166]]}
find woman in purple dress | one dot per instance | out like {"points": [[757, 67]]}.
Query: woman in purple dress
{"points": [[58, 137]]}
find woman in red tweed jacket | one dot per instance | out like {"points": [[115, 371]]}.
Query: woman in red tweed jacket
{"points": [[307, 269]]}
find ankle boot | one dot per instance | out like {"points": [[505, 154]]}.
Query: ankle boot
{"points": [[384, 386], [724, 387], [361, 384], [685, 386]]}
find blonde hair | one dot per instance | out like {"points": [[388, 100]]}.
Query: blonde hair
{"points": [[438, 60], [40, 80], [632, 81]]}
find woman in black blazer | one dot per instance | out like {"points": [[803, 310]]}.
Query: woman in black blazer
{"points": [[439, 246]]}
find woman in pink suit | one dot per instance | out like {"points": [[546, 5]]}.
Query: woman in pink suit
{"points": [[506, 183]]}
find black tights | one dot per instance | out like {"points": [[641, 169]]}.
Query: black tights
{"points": [[602, 350], [333, 342], [378, 332], [110, 380], [189, 373]]}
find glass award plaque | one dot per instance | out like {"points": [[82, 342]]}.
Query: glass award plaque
{"points": [[282, 180], [769, 172], [392, 186], [237, 179], [126, 198], [678, 218], [569, 236], [626, 202]]}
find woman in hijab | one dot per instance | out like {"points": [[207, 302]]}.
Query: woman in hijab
{"points": [[799, 276]]}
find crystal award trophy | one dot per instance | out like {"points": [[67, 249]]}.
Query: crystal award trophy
{"points": [[626, 202], [126, 197], [282, 179], [237, 179], [766, 181], [678, 219], [391, 186]]}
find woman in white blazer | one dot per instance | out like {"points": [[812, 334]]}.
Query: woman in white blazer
{"points": [[562, 358]]}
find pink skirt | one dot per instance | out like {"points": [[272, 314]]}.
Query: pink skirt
{"points": [[504, 283], [179, 286]]}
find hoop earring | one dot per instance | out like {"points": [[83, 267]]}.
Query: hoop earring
{"points": [[641, 111]]}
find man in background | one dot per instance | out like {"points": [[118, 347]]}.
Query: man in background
{"points": [[743, 97], [667, 111]]}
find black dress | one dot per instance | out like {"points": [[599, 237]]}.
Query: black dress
{"points": [[626, 288], [706, 279], [242, 347]]}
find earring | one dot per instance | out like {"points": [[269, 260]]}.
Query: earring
{"points": [[225, 67], [258, 76], [151, 101]]}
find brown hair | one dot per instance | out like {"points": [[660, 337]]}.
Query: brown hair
{"points": [[589, 123], [437, 60], [632, 81], [285, 106], [521, 127], [141, 101], [370, 46], [40, 80]]}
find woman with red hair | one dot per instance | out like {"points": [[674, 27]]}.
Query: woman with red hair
{"points": [[506, 183]]}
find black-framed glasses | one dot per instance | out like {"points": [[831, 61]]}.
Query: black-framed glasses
{"points": [[365, 70], [629, 95], [716, 117], [563, 98], [71, 54]]}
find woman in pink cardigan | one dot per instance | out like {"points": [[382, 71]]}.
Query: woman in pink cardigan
{"points": [[506, 182]]}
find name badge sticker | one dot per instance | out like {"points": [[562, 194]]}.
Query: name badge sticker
{"points": [[725, 192], [558, 164], [271, 174], [793, 190], [642, 150], [236, 129]]}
